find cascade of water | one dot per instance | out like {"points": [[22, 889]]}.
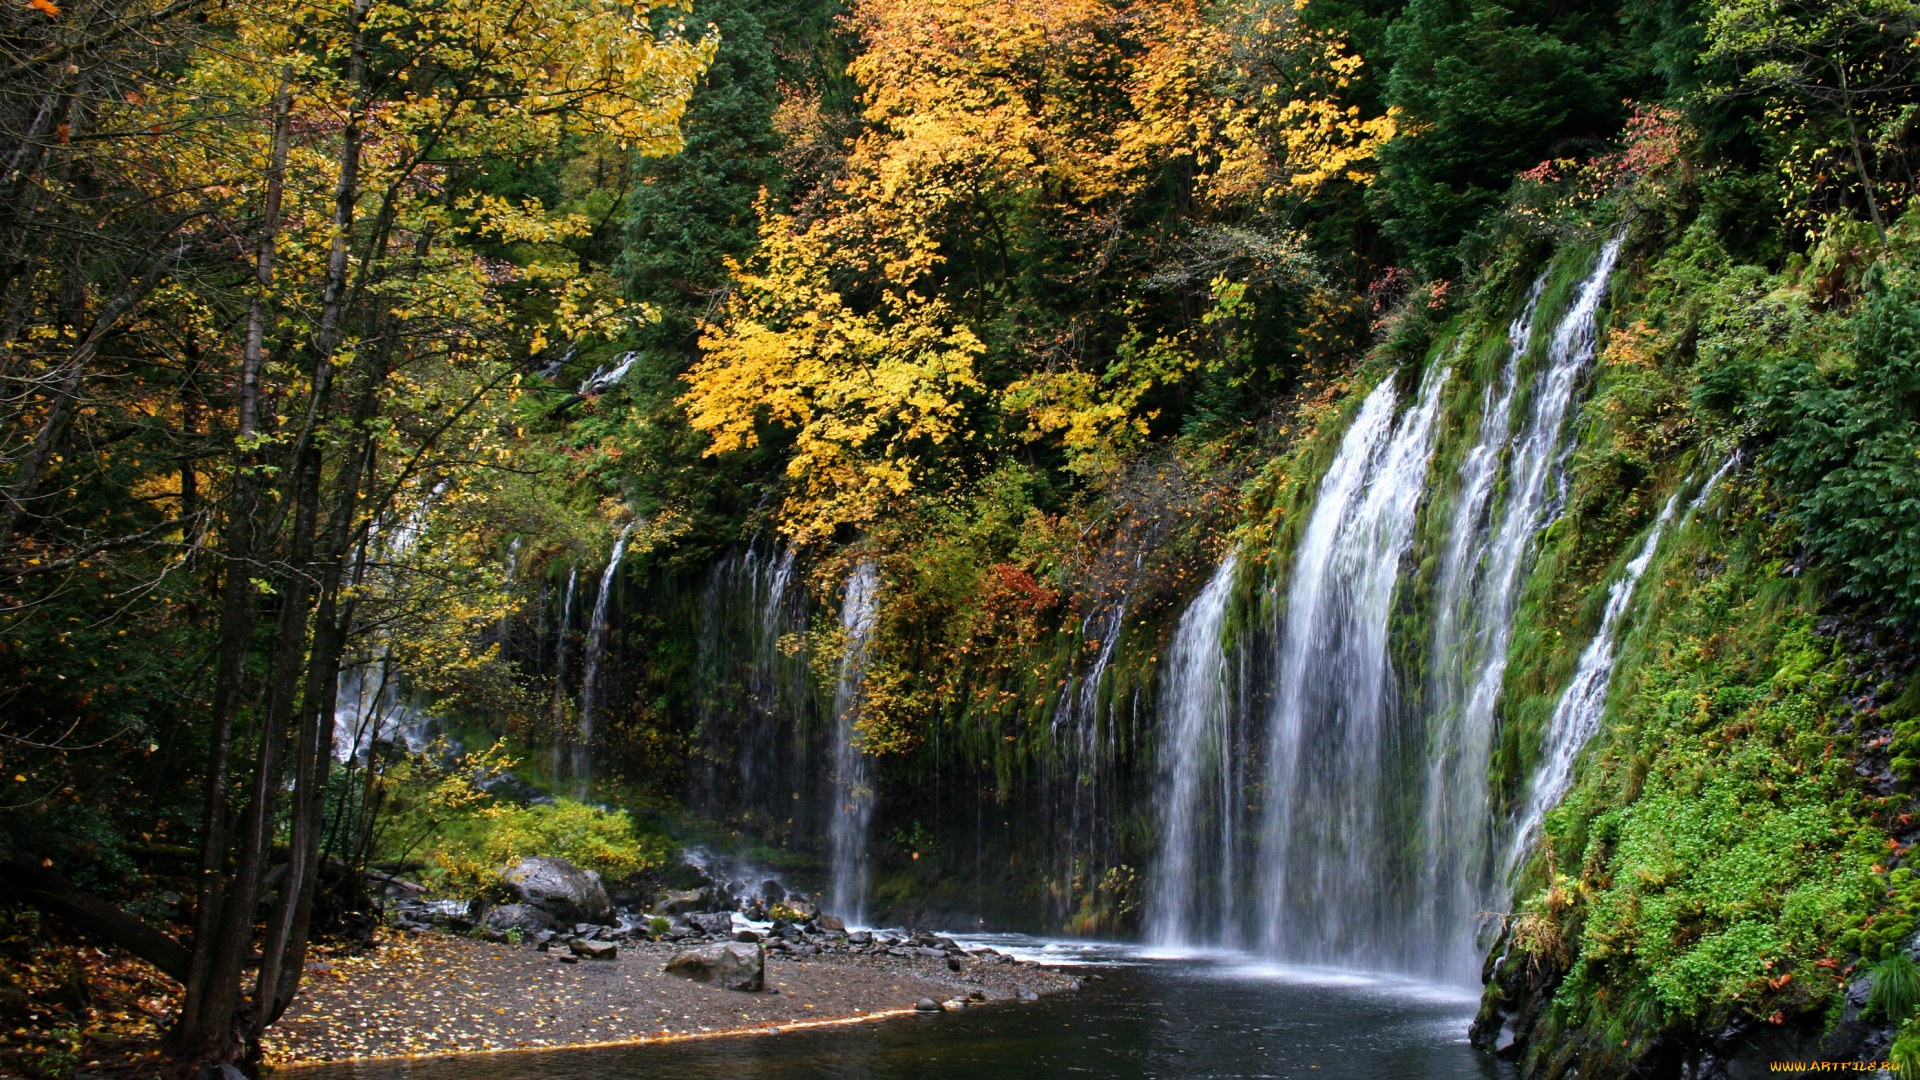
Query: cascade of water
{"points": [[557, 760], [1332, 833], [1576, 716], [367, 699], [852, 787], [1199, 790], [590, 665], [1456, 830], [505, 632], [755, 699]]}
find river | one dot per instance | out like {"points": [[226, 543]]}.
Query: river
{"points": [[1150, 1015]]}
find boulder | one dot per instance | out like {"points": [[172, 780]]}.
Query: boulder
{"points": [[830, 922], [522, 917], [718, 923], [928, 1005], [593, 950], [861, 937], [681, 903], [730, 965], [1025, 994], [562, 889], [506, 786], [748, 936], [773, 891], [802, 908]]}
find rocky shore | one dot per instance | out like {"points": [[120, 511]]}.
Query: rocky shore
{"points": [[426, 992]]}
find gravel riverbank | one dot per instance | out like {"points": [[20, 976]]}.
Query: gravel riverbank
{"points": [[440, 994]]}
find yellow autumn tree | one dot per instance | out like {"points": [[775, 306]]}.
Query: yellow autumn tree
{"points": [[911, 327]]}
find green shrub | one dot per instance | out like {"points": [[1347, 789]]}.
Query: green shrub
{"points": [[1849, 446], [471, 853]]}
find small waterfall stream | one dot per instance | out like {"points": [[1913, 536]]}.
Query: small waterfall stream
{"points": [[558, 758], [852, 814], [1334, 754], [1577, 715], [1200, 790], [1471, 627], [755, 703], [590, 664]]}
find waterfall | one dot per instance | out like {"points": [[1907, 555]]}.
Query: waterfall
{"points": [[1199, 791], [852, 788], [557, 761], [754, 701], [1577, 715], [367, 703], [590, 666], [1471, 625], [1331, 835]]}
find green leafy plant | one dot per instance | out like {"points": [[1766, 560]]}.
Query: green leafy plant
{"points": [[472, 854]]}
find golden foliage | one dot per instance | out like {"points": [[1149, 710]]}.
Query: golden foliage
{"points": [[849, 328]]}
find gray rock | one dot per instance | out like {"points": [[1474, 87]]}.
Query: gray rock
{"points": [[522, 917], [719, 923], [748, 936], [505, 785], [1025, 994], [802, 908], [593, 950], [928, 1005], [564, 890], [731, 965], [566, 958], [773, 891], [830, 922], [681, 903], [931, 954], [861, 937], [953, 964]]}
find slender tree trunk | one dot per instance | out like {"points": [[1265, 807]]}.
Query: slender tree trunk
{"points": [[1859, 160], [200, 1028], [284, 953]]}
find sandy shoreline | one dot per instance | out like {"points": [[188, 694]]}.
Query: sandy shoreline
{"points": [[435, 995]]}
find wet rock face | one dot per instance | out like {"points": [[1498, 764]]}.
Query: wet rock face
{"points": [[560, 888], [717, 924], [730, 965], [525, 918]]}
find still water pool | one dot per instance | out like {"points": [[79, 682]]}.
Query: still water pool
{"points": [[1147, 1017]]}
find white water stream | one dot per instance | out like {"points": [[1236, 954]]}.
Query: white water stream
{"points": [[852, 811], [590, 666]]}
